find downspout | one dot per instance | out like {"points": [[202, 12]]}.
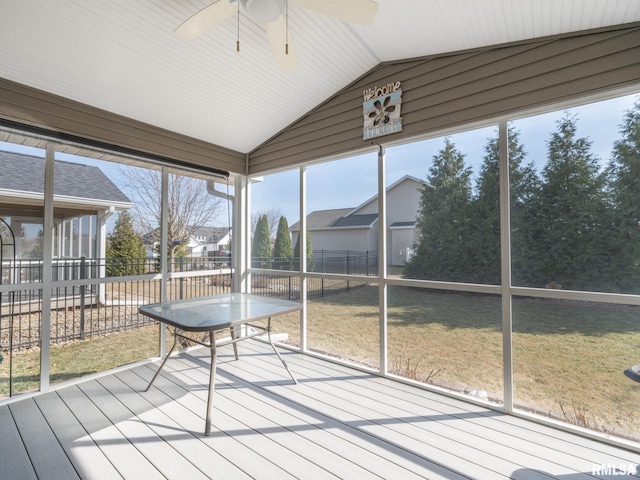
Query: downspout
{"points": [[211, 190], [231, 210]]}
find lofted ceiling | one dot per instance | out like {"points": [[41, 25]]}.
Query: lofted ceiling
{"points": [[121, 55]]}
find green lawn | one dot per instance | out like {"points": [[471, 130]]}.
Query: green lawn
{"points": [[76, 359]]}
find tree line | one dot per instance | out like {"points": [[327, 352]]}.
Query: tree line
{"points": [[574, 225], [282, 256]]}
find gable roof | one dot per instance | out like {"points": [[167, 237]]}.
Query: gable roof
{"points": [[406, 178], [25, 173], [364, 220], [336, 218], [322, 219], [348, 217], [103, 55]]}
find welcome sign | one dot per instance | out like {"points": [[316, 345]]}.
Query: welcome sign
{"points": [[381, 110]]}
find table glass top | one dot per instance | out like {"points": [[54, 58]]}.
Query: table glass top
{"points": [[218, 311]]}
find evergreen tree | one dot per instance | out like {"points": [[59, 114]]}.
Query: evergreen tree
{"points": [[282, 249], [125, 249], [38, 247], [570, 215], [445, 237], [625, 189], [261, 246], [296, 253], [523, 182]]}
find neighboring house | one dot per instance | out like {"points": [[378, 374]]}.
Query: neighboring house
{"points": [[206, 241], [356, 229], [203, 241], [83, 199]]}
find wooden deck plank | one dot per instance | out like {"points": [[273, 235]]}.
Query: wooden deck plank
{"points": [[294, 452], [280, 445], [458, 427], [550, 443], [125, 457], [471, 462], [153, 447], [270, 420], [48, 458], [378, 454], [87, 459], [14, 461], [430, 451], [188, 443], [337, 423], [357, 447], [505, 423], [486, 440], [189, 411], [564, 448]]}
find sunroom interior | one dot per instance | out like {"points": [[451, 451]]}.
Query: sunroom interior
{"points": [[506, 331]]}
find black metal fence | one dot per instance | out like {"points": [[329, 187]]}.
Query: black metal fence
{"points": [[346, 262], [93, 308], [111, 305], [30, 270], [288, 287]]}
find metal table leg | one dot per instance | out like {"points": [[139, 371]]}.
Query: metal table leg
{"points": [[235, 343], [212, 381], [284, 364], [175, 340]]}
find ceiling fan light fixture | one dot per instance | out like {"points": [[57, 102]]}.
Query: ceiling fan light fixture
{"points": [[263, 11]]}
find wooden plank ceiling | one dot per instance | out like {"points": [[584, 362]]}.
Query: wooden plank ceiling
{"points": [[121, 56]]}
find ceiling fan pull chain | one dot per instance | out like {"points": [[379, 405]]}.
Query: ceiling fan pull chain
{"points": [[238, 40], [286, 27]]}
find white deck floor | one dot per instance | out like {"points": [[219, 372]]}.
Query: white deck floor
{"points": [[336, 423]]}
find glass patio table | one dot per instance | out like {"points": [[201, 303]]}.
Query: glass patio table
{"points": [[214, 314]]}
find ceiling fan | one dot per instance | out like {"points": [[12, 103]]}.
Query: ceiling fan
{"points": [[272, 14]]}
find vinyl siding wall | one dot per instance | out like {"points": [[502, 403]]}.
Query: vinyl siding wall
{"points": [[22, 106], [446, 91]]}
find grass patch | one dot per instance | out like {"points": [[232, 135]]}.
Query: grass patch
{"points": [[80, 358]]}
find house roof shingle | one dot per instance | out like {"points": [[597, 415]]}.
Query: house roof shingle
{"points": [[346, 217], [403, 224], [362, 220], [322, 219], [25, 173]]}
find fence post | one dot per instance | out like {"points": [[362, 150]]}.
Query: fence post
{"points": [[367, 264], [83, 275], [181, 278]]}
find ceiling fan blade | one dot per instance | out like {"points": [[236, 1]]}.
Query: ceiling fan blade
{"points": [[205, 19], [352, 11], [277, 34]]}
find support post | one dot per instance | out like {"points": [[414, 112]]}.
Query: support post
{"points": [[382, 260], [505, 254]]}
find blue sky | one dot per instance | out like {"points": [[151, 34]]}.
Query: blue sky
{"points": [[352, 181]]}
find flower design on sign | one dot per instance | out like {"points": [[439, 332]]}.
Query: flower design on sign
{"points": [[382, 111], [382, 114]]}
